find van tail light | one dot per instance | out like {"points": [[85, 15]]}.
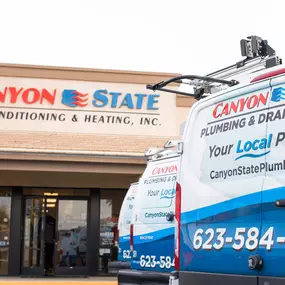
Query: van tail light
{"points": [[177, 226], [118, 236], [131, 237]]}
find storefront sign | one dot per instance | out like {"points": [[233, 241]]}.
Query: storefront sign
{"points": [[84, 107]]}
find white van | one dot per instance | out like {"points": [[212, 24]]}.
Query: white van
{"points": [[124, 223], [230, 195], [152, 228]]}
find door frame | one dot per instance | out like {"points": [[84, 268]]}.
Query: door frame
{"points": [[71, 271], [38, 271], [93, 231]]}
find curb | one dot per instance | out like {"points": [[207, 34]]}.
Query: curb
{"points": [[50, 282]]}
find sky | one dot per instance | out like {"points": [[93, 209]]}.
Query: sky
{"points": [[181, 36]]}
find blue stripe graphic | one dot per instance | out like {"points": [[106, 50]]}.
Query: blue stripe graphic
{"points": [[269, 195], [251, 155], [235, 203], [167, 197]]}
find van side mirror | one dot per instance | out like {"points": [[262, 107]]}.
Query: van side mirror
{"points": [[170, 217]]}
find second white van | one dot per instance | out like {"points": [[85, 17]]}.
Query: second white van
{"points": [[124, 222]]}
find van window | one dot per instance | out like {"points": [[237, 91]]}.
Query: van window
{"points": [[156, 196], [225, 140], [127, 207]]}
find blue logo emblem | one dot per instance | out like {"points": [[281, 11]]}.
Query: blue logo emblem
{"points": [[278, 94], [73, 98]]}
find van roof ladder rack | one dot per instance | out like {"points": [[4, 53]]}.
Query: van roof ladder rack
{"points": [[259, 55], [203, 80]]}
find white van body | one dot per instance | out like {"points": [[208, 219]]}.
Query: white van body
{"points": [[124, 222], [232, 181], [153, 233]]}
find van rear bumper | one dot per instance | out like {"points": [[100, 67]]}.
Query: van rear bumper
{"points": [[139, 277], [115, 266], [204, 278]]}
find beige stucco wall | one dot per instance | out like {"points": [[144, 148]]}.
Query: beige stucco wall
{"points": [[63, 179]]}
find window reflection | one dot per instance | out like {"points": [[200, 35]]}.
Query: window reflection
{"points": [[4, 252], [107, 224], [5, 215], [72, 230], [32, 232], [110, 205], [5, 210]]}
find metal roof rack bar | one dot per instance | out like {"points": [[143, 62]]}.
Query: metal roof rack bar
{"points": [[160, 86], [259, 55]]}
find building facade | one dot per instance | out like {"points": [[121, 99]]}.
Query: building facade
{"points": [[72, 140]]}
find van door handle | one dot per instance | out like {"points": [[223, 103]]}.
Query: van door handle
{"points": [[170, 217], [280, 203]]}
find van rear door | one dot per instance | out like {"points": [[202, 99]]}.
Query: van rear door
{"points": [[153, 217], [221, 178], [124, 223]]}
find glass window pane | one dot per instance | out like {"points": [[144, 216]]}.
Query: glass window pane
{"points": [[5, 215], [72, 230], [110, 205], [4, 255], [5, 211], [32, 249]]}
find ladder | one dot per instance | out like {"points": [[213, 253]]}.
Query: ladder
{"points": [[259, 55]]}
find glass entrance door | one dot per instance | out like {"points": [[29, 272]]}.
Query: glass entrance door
{"points": [[33, 236], [54, 236], [71, 244]]}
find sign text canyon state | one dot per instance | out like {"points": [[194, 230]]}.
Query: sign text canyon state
{"points": [[76, 99]]}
